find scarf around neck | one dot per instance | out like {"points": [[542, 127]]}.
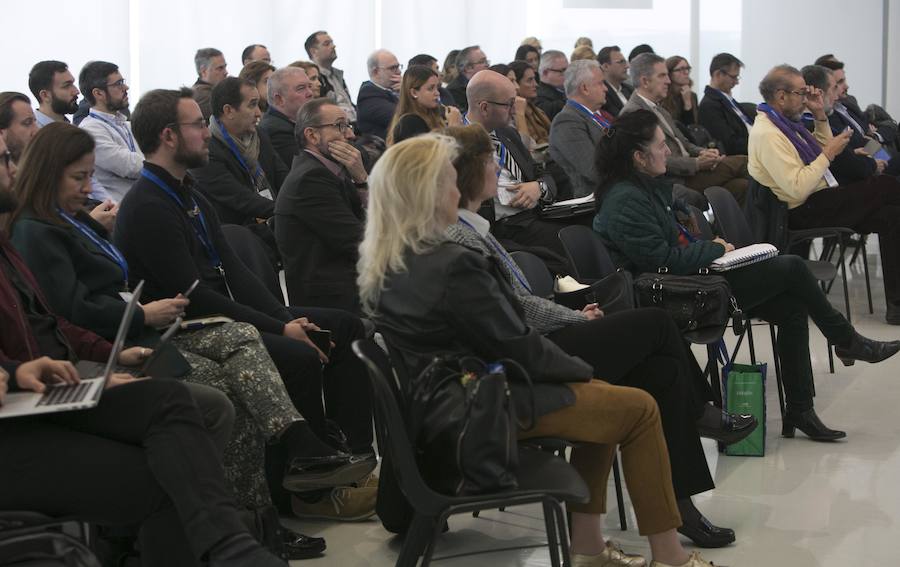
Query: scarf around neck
{"points": [[804, 142], [247, 147]]}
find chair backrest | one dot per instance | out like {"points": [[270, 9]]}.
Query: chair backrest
{"points": [[251, 250], [588, 256], [729, 216], [706, 231], [536, 273], [767, 215]]}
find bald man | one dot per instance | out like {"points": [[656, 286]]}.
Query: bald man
{"points": [[521, 192], [378, 96]]}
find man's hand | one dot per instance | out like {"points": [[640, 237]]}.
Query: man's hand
{"points": [[527, 195], [815, 103], [295, 330], [592, 311], [396, 80], [836, 145], [707, 161], [105, 214], [163, 311], [520, 106], [880, 164], [345, 154], [134, 356], [36, 374]]}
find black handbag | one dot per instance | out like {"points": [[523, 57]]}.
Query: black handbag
{"points": [[696, 303], [612, 294], [463, 424]]}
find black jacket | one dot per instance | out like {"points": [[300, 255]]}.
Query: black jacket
{"points": [[457, 89], [280, 130], [319, 224], [453, 300], [374, 109], [718, 117], [847, 166], [613, 104], [550, 99], [513, 142]]}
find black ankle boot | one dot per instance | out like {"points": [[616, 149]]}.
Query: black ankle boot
{"points": [[701, 531], [867, 350], [810, 424]]}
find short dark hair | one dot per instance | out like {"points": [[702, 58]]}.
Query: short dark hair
{"points": [[826, 57], [777, 80], [156, 111], [639, 49], [520, 68], [248, 51], [832, 64], [254, 70], [722, 61], [309, 115], [474, 145], [501, 68], [816, 75], [228, 91], [41, 76], [614, 156], [6, 102], [421, 59], [203, 57], [523, 51], [604, 56], [94, 76], [312, 41]]}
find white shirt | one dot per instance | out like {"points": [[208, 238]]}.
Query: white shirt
{"points": [[118, 160], [481, 225]]}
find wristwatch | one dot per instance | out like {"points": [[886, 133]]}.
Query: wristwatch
{"points": [[543, 186]]}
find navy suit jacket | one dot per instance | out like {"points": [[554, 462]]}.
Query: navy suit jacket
{"points": [[374, 109]]}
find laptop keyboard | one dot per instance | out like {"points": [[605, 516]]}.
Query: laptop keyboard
{"points": [[56, 395]]}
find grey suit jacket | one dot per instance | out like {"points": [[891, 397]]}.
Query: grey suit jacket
{"points": [[677, 164], [573, 139]]}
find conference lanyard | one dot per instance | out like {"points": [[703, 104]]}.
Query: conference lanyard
{"points": [[129, 139], [593, 116], [104, 245], [237, 153], [501, 159], [736, 107], [684, 231], [503, 256]]}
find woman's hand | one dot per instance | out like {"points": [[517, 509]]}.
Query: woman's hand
{"points": [[728, 247], [134, 356], [592, 311], [454, 118], [295, 330], [162, 312], [105, 214], [36, 374]]}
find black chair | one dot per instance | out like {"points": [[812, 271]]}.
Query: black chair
{"points": [[252, 252], [32, 538], [542, 476], [586, 253]]}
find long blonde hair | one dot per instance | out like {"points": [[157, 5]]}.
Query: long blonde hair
{"points": [[404, 189]]}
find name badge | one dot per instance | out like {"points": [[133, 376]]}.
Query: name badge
{"points": [[267, 194], [126, 296], [830, 179]]}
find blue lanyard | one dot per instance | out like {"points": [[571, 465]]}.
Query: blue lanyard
{"points": [[104, 245], [595, 117], [129, 139], [503, 256], [736, 106], [501, 159], [690, 237], [199, 228], [237, 153]]}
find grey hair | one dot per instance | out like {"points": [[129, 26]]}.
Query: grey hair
{"points": [[274, 83], [372, 61], [642, 66], [462, 58], [547, 59], [578, 72], [204, 56], [777, 80], [309, 115], [817, 76]]}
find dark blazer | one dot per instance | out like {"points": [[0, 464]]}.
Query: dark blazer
{"points": [[229, 186], [513, 142], [319, 225], [202, 94], [374, 109], [718, 117], [457, 89], [550, 100], [280, 130], [613, 103], [573, 139], [847, 166], [676, 164], [453, 300]]}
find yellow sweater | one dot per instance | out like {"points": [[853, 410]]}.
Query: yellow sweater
{"points": [[775, 163]]}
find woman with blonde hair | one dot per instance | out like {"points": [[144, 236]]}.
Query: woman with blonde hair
{"points": [[419, 109], [429, 295]]}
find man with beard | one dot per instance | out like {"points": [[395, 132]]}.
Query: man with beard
{"points": [[118, 159], [171, 131], [53, 86], [319, 214], [17, 123], [322, 50]]}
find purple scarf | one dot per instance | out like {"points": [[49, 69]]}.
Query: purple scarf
{"points": [[803, 141]]}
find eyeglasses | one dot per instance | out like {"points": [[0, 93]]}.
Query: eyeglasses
{"points": [[342, 126], [118, 84], [7, 158], [394, 68], [484, 61], [732, 77], [200, 124], [682, 69], [558, 70], [803, 93], [509, 105]]}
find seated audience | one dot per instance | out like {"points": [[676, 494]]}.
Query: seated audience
{"points": [[530, 55], [312, 72], [289, 89], [469, 61], [687, 163], [637, 223], [718, 112], [430, 296], [319, 214], [323, 52], [378, 96], [580, 125], [211, 69], [884, 131], [658, 363], [258, 73], [255, 52], [17, 123], [118, 160], [583, 52], [551, 98], [169, 127], [615, 73], [531, 121], [53, 86], [795, 165], [419, 109], [681, 100], [429, 61]]}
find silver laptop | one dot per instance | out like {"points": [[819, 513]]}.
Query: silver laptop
{"points": [[84, 395]]}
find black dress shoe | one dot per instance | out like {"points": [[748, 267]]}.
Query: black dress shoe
{"points": [[730, 429], [311, 473], [810, 424], [299, 546], [867, 350], [704, 534]]}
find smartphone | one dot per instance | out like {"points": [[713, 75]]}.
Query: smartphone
{"points": [[321, 339], [191, 289]]}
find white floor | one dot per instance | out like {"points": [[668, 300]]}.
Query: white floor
{"points": [[804, 504]]}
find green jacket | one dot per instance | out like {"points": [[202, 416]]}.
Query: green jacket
{"points": [[636, 222]]}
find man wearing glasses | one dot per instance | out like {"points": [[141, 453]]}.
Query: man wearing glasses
{"points": [[469, 61], [615, 71], [551, 97], [378, 96], [719, 113]]}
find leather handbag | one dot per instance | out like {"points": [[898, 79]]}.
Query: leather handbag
{"points": [[463, 424], [612, 294], [695, 302]]}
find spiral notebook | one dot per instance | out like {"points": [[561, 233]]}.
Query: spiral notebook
{"points": [[745, 256]]}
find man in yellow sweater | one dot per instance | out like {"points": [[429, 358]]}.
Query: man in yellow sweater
{"points": [[785, 157]]}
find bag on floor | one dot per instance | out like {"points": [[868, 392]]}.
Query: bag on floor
{"points": [[29, 539], [745, 393]]}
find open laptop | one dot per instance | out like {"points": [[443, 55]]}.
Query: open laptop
{"points": [[84, 395]]}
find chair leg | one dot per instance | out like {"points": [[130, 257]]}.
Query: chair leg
{"points": [[419, 538], [550, 519], [777, 363], [563, 532], [865, 258], [750, 341], [620, 499], [830, 356]]}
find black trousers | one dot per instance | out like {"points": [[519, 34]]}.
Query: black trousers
{"points": [[644, 349], [782, 290], [142, 456], [527, 230], [872, 205]]}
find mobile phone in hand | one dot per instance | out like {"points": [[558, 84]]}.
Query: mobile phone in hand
{"points": [[321, 339]]}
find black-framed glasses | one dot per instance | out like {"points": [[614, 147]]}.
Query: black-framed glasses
{"points": [[732, 77], [201, 124], [340, 125], [482, 61], [118, 84], [801, 93], [7, 158], [509, 105]]}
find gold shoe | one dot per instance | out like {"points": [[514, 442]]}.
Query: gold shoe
{"points": [[693, 561], [612, 556], [341, 504]]}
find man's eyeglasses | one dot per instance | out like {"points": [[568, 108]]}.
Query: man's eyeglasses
{"points": [[118, 84], [394, 68], [342, 126], [732, 77], [560, 71], [509, 105], [803, 93], [201, 124], [484, 61]]}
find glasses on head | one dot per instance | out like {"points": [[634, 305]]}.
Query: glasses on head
{"points": [[340, 125], [199, 124], [509, 105], [394, 68], [7, 158], [686, 69], [118, 84]]}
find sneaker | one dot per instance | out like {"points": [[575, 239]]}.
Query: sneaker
{"points": [[612, 556], [693, 561], [341, 504]]}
